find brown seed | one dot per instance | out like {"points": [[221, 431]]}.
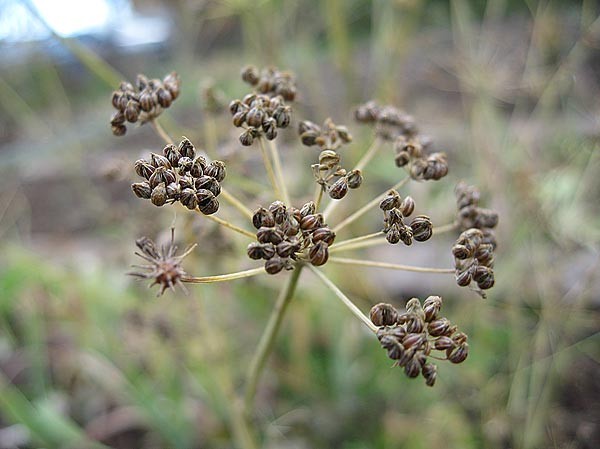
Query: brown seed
{"points": [[442, 343], [247, 137], [263, 218], [438, 327], [407, 206], [383, 314], [412, 368], [339, 189], [255, 251], [164, 97], [208, 183], [325, 234], [188, 198], [159, 195], [422, 228], [458, 354], [118, 118], [269, 235], [429, 372], [355, 179], [217, 170], [142, 189], [431, 307], [250, 75], [319, 253], [274, 265], [118, 130], [143, 168]]}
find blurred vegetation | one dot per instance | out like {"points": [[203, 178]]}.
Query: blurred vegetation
{"points": [[508, 88]]}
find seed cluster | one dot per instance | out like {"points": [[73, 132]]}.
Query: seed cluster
{"points": [[470, 215], [328, 172], [260, 115], [164, 265], [410, 153], [271, 81], [410, 337], [474, 260], [390, 122], [144, 102], [288, 234], [395, 210], [179, 175]]}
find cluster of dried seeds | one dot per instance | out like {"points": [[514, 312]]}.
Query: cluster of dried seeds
{"points": [[410, 153], [390, 122], [271, 81], [410, 337], [474, 260], [179, 175], [395, 210], [287, 234], [470, 215], [260, 115], [143, 102]]}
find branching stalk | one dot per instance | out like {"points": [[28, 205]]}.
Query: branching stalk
{"points": [[362, 238], [267, 340], [269, 167], [223, 277], [279, 171], [231, 226], [347, 301], [236, 203], [445, 228], [392, 266], [367, 207], [161, 131]]}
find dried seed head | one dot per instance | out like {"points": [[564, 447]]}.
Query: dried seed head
{"points": [[383, 314], [319, 253], [263, 218]]}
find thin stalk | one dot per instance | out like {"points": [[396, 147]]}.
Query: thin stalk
{"points": [[161, 131], [357, 245], [392, 266], [231, 226], [279, 171], [265, 346], [319, 195], [364, 160], [347, 301], [223, 277], [370, 205], [362, 238], [269, 168], [445, 228], [236, 203]]}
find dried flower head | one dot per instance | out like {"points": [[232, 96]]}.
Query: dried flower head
{"points": [[410, 337], [395, 210], [143, 101], [164, 265]]}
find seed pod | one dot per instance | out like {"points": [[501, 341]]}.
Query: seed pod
{"points": [[172, 154], [413, 341], [217, 170], [442, 343], [172, 84], [383, 314], [407, 206], [319, 253], [462, 252], [402, 159], [406, 235], [329, 159], [274, 265], [394, 348], [158, 160], [367, 113], [339, 189], [197, 167], [287, 248], [431, 307], [269, 235], [324, 234], [143, 168], [438, 327], [159, 195], [270, 129], [157, 177], [118, 130], [186, 148], [287, 91], [142, 189], [282, 116], [263, 218], [207, 203], [247, 137], [255, 117], [290, 226], [429, 372], [355, 179], [415, 325], [269, 250], [422, 228], [485, 254], [458, 354], [116, 99], [118, 118], [255, 251], [173, 191], [481, 272], [412, 368], [208, 183], [310, 222], [188, 198], [393, 234], [146, 101], [486, 281], [307, 209], [250, 75], [343, 133], [236, 106], [391, 201], [459, 338], [394, 217], [164, 97], [279, 211]]}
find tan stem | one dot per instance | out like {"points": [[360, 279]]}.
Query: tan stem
{"points": [[269, 168], [357, 245], [320, 188], [279, 172], [445, 228], [367, 207], [161, 131], [392, 266], [347, 301], [231, 226], [236, 203], [362, 238], [223, 277]]}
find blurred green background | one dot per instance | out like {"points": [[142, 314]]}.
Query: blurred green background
{"points": [[89, 358]]}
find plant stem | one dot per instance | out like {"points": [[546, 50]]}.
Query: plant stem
{"points": [[161, 131], [371, 204], [347, 301], [319, 195], [236, 203], [231, 226], [267, 340], [362, 238], [223, 277], [357, 245], [393, 266], [279, 172], [445, 228], [269, 168]]}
